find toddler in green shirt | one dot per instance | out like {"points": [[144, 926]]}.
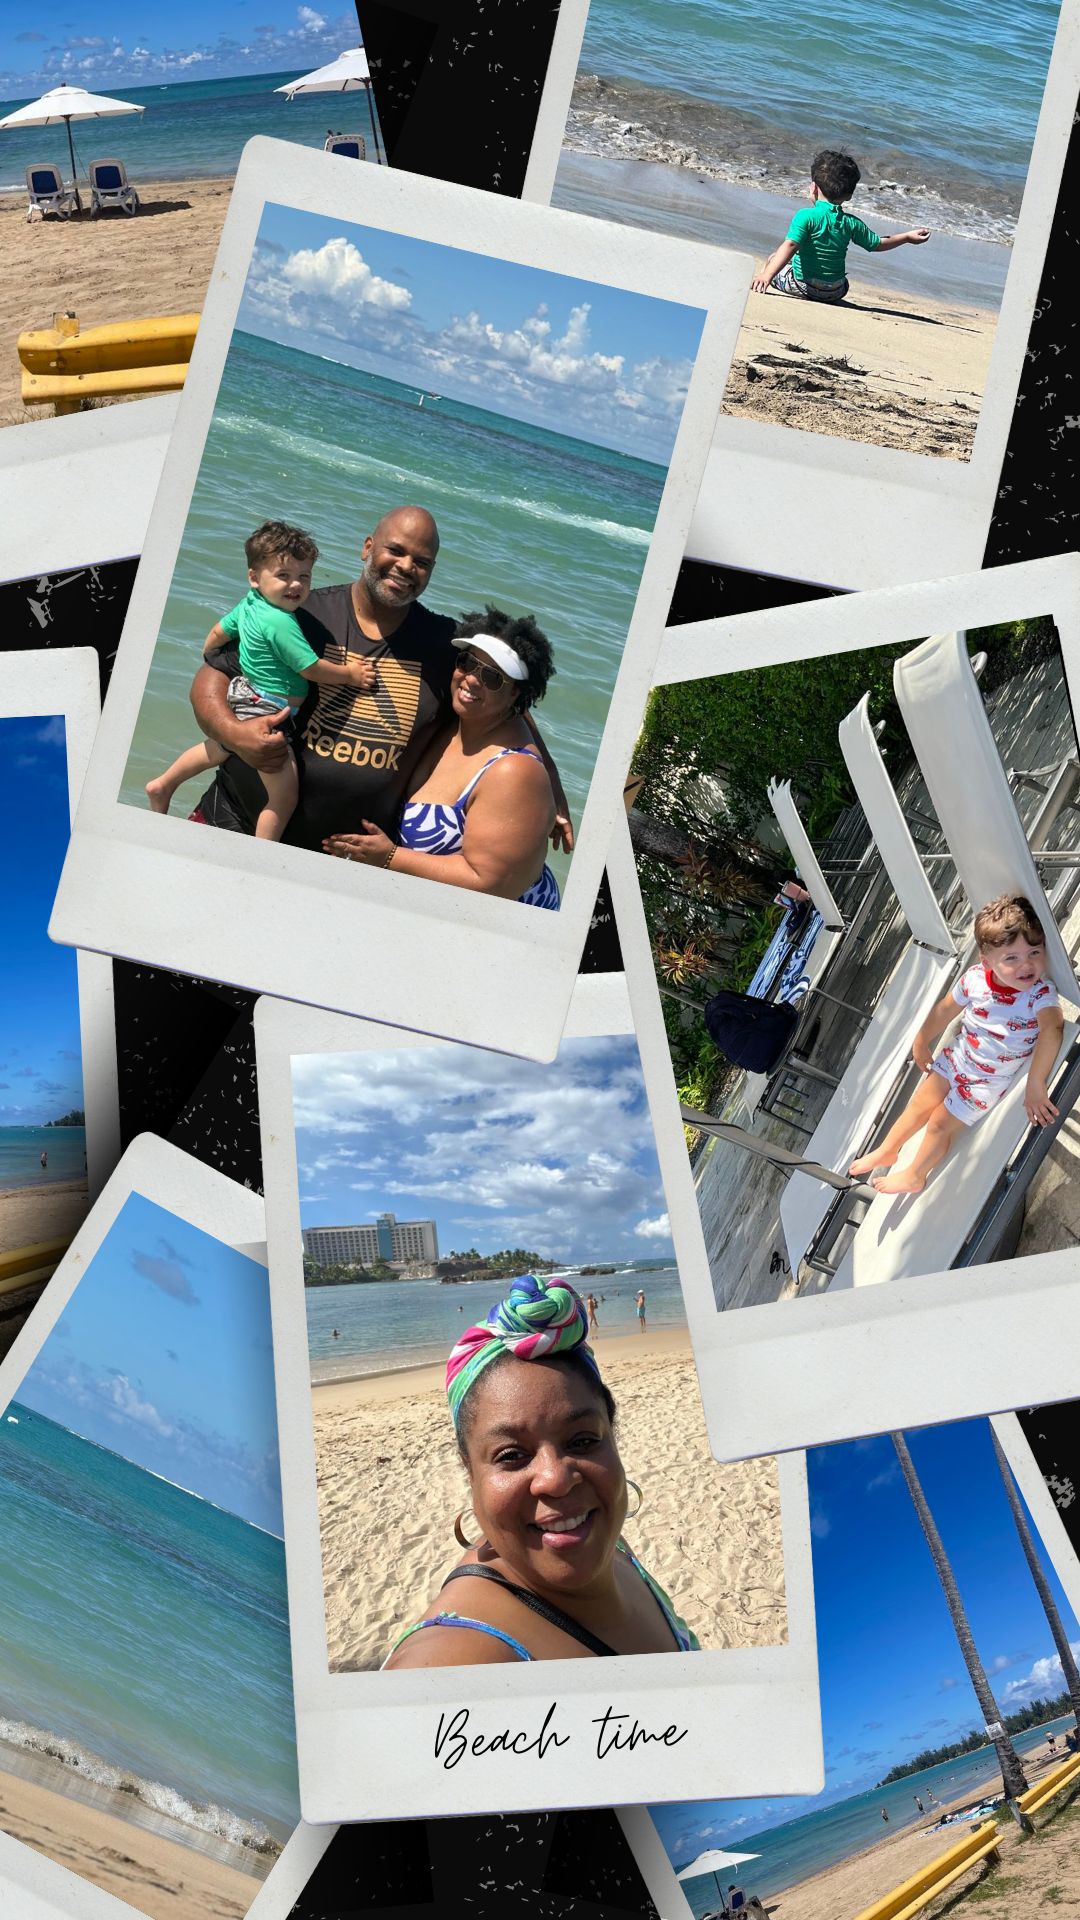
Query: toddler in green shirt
{"points": [[810, 262], [276, 666]]}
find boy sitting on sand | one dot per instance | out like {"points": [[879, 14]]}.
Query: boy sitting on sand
{"points": [[1011, 1020], [810, 262], [276, 666]]}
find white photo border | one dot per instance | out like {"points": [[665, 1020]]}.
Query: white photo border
{"points": [[233, 1215], [64, 681], [555, 101], [165, 891], [366, 1740], [919, 1351], [84, 485], [907, 515]]}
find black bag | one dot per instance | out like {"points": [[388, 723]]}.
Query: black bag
{"points": [[751, 1033]]}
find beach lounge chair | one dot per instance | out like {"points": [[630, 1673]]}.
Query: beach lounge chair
{"points": [[349, 145], [110, 187], [923, 974], [968, 1206], [47, 192]]}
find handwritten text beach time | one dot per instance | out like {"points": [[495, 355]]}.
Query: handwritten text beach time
{"points": [[454, 1743]]}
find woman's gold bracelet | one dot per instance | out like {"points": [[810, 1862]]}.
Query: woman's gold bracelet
{"points": [[389, 858]]}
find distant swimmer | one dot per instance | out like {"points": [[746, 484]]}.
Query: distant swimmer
{"points": [[335, 1335], [639, 1303], [918, 1803], [44, 1158], [885, 1816]]}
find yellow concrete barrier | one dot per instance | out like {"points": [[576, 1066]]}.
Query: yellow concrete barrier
{"points": [[906, 1900], [1067, 1774], [65, 365], [25, 1266]]}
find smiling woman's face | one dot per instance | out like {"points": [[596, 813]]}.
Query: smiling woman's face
{"points": [[469, 696], [547, 1483]]}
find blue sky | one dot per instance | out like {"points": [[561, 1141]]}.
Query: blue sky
{"points": [[558, 1159], [106, 47], [589, 360], [892, 1680], [163, 1355], [40, 1045]]}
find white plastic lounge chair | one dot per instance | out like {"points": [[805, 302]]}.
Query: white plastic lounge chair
{"points": [[110, 187], [968, 1203], [924, 972], [349, 145], [47, 192]]}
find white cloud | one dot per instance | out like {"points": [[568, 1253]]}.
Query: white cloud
{"points": [[1042, 1682], [658, 1229], [310, 20], [337, 271], [556, 1157], [130, 1405]]}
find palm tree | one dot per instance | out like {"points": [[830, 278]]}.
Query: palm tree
{"points": [[1042, 1586], [1012, 1773]]}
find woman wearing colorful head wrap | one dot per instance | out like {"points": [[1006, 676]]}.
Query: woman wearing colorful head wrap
{"points": [[547, 1575]]}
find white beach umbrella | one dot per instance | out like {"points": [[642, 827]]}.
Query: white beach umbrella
{"points": [[715, 1861], [65, 104], [347, 74]]}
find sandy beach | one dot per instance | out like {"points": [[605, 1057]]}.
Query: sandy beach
{"points": [[53, 1210], [709, 1533], [110, 269], [886, 368], [158, 1876], [1018, 1884]]}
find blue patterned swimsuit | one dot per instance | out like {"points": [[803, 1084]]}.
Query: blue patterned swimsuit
{"points": [[438, 826]]}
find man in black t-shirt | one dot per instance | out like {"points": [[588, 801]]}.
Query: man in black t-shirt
{"points": [[356, 752]]}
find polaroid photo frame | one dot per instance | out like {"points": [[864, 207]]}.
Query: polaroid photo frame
{"points": [[1040, 1503], [555, 101], [64, 685], [30, 1882], [85, 485], [905, 516], [163, 890], [866, 1359], [370, 1740]]}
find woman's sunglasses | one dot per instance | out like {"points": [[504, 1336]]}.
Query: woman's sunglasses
{"points": [[489, 677]]}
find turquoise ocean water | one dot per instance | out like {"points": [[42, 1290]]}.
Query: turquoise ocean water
{"points": [[145, 1639], [195, 130], [21, 1149], [532, 520], [937, 99], [799, 1848], [385, 1325]]}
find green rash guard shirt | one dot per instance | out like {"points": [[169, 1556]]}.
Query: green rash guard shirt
{"points": [[273, 650], [823, 233]]}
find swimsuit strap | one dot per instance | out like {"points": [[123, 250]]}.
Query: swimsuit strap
{"points": [[686, 1641], [462, 1620], [501, 755], [552, 1614]]}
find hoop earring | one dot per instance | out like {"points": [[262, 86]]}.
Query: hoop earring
{"points": [[459, 1531], [640, 1500]]}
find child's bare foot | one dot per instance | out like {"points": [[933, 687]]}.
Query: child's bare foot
{"points": [[879, 1157], [159, 796], [904, 1180]]}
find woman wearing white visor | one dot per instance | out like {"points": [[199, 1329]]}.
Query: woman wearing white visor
{"points": [[482, 807]]}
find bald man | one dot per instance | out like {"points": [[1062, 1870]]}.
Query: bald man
{"points": [[356, 752]]}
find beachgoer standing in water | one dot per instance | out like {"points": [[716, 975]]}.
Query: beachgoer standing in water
{"points": [[44, 1157], [639, 1303], [590, 1302]]}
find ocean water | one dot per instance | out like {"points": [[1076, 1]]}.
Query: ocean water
{"points": [[385, 1325], [195, 130], [145, 1638], [937, 100], [21, 1149], [529, 519], [799, 1848]]}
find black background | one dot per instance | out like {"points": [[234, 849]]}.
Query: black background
{"points": [[457, 83]]}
